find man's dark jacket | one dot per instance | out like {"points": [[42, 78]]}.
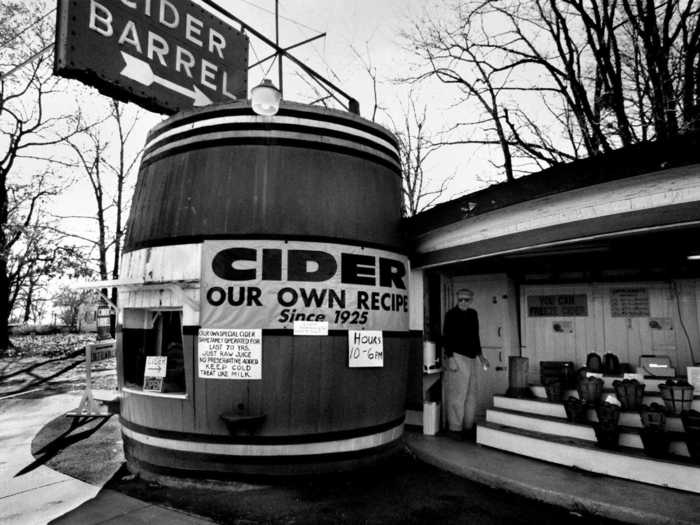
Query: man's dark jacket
{"points": [[461, 333]]}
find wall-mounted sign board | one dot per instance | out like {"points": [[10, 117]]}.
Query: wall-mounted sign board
{"points": [[562, 305], [629, 302], [229, 354], [310, 287], [165, 55]]}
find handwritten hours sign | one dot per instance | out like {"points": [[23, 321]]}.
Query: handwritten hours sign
{"points": [[229, 354], [166, 55], [273, 284], [365, 348]]}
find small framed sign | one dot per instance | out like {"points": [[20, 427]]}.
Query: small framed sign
{"points": [[310, 327], [156, 366], [152, 384]]}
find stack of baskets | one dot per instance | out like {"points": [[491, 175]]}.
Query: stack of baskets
{"points": [[678, 398]]}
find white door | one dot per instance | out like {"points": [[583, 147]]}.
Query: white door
{"points": [[491, 303]]}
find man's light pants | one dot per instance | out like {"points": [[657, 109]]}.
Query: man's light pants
{"points": [[461, 392]]}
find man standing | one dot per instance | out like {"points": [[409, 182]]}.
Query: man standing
{"points": [[462, 348]]}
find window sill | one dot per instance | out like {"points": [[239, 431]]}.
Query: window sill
{"points": [[171, 395]]}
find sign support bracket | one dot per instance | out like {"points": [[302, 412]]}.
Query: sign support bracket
{"points": [[353, 104]]}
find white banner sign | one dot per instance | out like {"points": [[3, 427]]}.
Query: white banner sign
{"points": [[229, 354], [365, 348], [271, 284], [156, 366]]}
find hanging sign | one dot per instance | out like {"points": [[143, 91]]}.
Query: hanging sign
{"points": [[229, 354], [165, 55], [365, 348], [273, 284]]}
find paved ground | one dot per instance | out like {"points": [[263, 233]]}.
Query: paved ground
{"points": [[404, 491], [51, 470], [40, 494]]}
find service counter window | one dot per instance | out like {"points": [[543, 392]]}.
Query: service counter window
{"points": [[153, 333]]}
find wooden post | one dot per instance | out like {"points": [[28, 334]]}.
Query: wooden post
{"points": [[517, 377]]}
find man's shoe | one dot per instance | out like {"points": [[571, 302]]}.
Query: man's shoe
{"points": [[456, 435], [469, 434]]}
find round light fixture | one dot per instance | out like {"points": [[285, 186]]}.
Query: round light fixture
{"points": [[266, 98]]}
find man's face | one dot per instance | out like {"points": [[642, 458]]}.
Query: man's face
{"points": [[464, 300]]}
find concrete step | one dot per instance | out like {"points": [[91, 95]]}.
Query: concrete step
{"points": [[629, 436], [542, 407], [626, 463]]}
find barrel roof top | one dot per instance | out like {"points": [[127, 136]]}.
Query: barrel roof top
{"points": [[285, 107]]}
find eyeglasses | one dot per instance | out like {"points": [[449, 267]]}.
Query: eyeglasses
{"points": [[464, 300]]}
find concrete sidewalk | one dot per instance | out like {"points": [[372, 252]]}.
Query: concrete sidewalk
{"points": [[42, 494], [580, 491]]}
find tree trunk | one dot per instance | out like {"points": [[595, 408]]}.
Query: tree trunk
{"points": [[4, 307], [28, 302]]}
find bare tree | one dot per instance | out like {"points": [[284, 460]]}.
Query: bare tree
{"points": [[414, 140], [415, 146], [556, 80], [106, 157], [31, 124]]}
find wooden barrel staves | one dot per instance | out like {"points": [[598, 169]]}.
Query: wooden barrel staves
{"points": [[242, 230]]}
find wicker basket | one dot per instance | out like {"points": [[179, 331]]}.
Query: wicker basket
{"points": [[554, 390], [590, 390], [653, 416], [677, 396], [576, 410], [629, 393], [606, 429]]}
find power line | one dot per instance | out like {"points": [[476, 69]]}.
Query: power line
{"points": [[17, 35], [281, 16], [36, 55]]}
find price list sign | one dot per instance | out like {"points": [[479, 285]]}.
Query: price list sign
{"points": [[629, 302]]}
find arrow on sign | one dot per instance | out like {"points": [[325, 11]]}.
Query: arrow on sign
{"points": [[140, 71]]}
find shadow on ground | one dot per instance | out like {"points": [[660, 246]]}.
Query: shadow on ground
{"points": [[86, 448]]}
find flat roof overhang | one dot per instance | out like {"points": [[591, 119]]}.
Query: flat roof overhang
{"points": [[649, 219]]}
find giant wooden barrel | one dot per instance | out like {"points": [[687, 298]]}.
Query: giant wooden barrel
{"points": [[242, 229]]}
